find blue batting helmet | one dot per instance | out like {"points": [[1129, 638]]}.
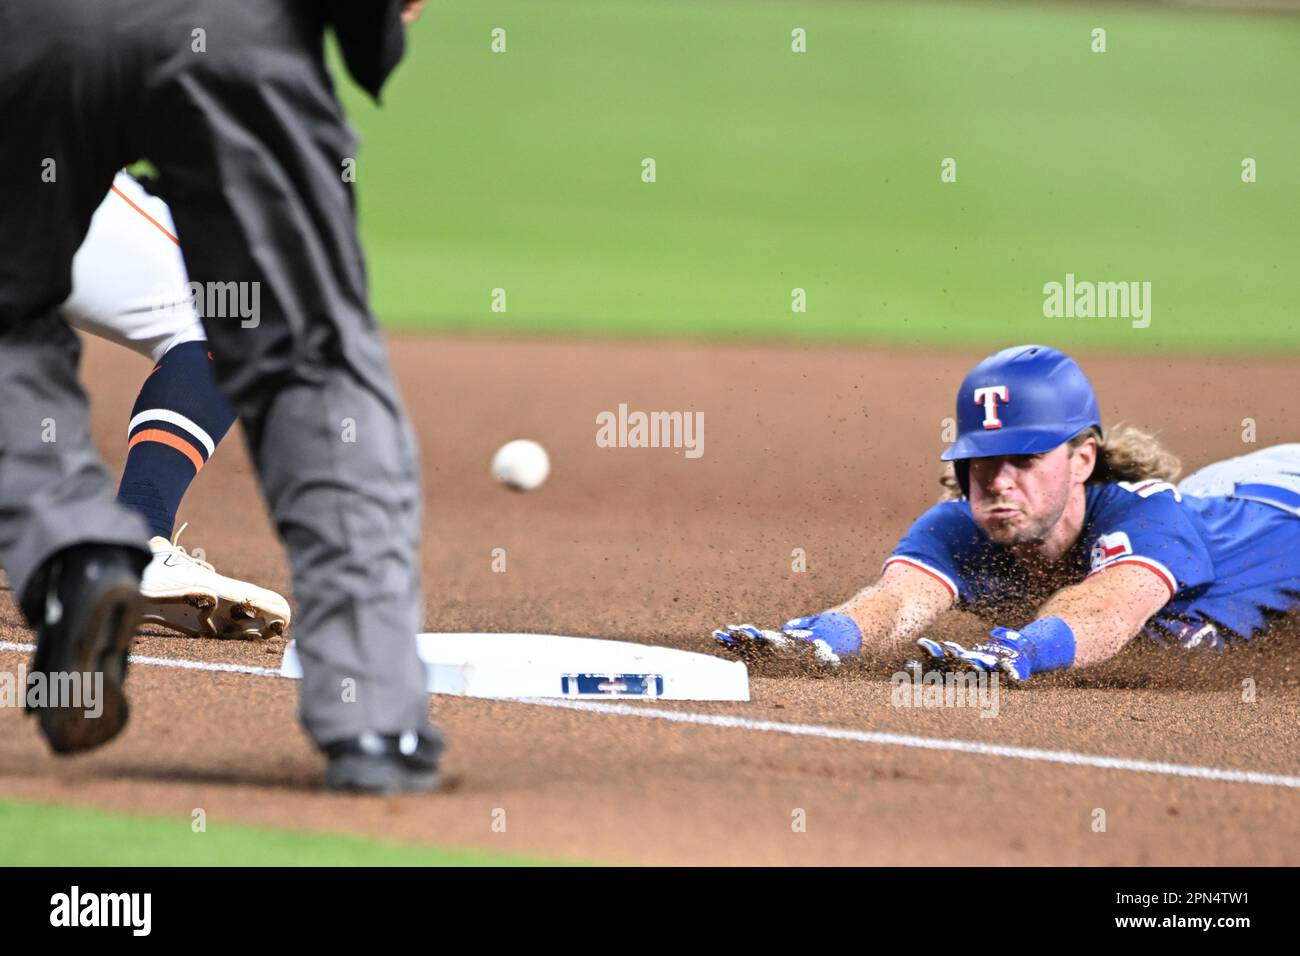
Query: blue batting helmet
{"points": [[1021, 401]]}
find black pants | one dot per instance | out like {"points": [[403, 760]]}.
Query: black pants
{"points": [[231, 100]]}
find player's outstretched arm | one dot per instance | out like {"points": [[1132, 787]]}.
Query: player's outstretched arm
{"points": [[897, 607], [1083, 624], [1107, 610]]}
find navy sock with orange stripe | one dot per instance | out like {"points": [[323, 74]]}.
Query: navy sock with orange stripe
{"points": [[176, 424]]}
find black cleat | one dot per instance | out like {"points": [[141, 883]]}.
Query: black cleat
{"points": [[89, 619], [374, 763]]}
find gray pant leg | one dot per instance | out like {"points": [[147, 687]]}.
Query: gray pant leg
{"points": [[54, 490], [338, 469], [58, 152], [1278, 465], [251, 144]]}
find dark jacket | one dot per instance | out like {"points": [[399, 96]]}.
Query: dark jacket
{"points": [[371, 36]]}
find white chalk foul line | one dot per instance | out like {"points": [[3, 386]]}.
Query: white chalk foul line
{"points": [[881, 738], [172, 662], [930, 743]]}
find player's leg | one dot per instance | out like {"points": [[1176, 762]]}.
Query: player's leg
{"points": [[129, 284], [176, 423], [251, 144], [72, 552], [130, 287], [1277, 467]]}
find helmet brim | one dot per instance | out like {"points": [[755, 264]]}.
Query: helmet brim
{"points": [[1011, 441]]}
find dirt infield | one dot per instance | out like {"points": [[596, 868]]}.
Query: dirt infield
{"points": [[829, 451]]}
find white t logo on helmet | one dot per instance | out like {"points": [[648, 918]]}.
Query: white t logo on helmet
{"points": [[989, 396]]}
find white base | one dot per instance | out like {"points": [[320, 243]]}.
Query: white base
{"points": [[548, 665]]}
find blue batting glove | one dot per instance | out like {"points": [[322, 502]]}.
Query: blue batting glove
{"points": [[1007, 651], [1047, 644], [823, 637], [738, 635], [1003, 652], [1197, 636], [839, 632]]}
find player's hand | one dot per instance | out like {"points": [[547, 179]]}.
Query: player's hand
{"points": [[748, 641], [1197, 636], [411, 10], [755, 644], [838, 633], [826, 638], [999, 653]]}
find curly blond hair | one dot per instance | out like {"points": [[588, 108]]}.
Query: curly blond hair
{"points": [[1125, 453]]}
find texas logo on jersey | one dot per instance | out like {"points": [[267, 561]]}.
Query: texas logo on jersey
{"points": [[1108, 548]]}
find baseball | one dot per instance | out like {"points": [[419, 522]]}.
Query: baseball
{"points": [[521, 465]]}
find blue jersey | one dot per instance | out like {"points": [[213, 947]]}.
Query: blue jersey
{"points": [[1227, 561]]}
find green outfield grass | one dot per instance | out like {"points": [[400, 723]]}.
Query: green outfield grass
{"points": [[820, 170], [39, 835]]}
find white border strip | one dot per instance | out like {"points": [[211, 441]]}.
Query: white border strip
{"points": [[1067, 757]]}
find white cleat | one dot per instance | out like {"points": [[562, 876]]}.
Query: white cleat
{"points": [[186, 594]]}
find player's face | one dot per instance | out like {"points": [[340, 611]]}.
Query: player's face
{"points": [[1019, 499]]}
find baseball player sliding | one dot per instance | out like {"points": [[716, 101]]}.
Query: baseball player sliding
{"points": [[129, 286], [1071, 541]]}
